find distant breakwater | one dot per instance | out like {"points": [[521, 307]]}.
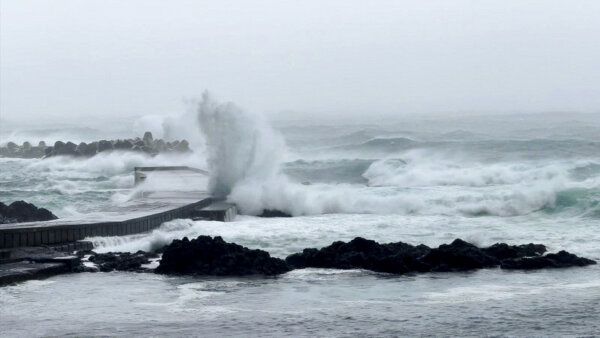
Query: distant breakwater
{"points": [[147, 144]]}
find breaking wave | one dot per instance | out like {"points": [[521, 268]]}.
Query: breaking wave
{"points": [[245, 159]]}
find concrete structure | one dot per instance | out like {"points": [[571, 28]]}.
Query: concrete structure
{"points": [[37, 250], [147, 211], [217, 211], [140, 173], [146, 214]]}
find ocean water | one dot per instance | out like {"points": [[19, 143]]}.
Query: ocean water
{"points": [[421, 180]]}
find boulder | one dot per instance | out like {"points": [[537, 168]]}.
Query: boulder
{"points": [[159, 145], [458, 256], [123, 145], [402, 258], [12, 146], [365, 254], [12, 149], [27, 151], [81, 149], [121, 261], [148, 139], [67, 149], [273, 213], [562, 259], [503, 251], [213, 256], [21, 211], [104, 145], [182, 146], [92, 148]]}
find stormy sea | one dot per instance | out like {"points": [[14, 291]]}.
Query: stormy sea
{"points": [[418, 179]]}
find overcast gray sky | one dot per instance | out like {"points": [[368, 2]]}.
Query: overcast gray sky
{"points": [[90, 58]]}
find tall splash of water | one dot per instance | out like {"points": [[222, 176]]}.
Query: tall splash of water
{"points": [[240, 146], [244, 156]]}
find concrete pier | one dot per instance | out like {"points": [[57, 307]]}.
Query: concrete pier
{"points": [[144, 215], [151, 206], [36, 250]]}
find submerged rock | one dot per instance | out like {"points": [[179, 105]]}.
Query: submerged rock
{"points": [[274, 213], [213, 256], [21, 211], [121, 261]]}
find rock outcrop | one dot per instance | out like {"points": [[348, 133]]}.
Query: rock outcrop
{"points": [[402, 258], [562, 259], [21, 211], [273, 213], [213, 256], [121, 261], [147, 145]]}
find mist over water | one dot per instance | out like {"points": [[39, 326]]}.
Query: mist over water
{"points": [[373, 170], [241, 147], [416, 180]]}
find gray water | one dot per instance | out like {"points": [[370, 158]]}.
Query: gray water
{"points": [[423, 181]]}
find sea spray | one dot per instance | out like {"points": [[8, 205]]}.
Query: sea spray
{"points": [[240, 146], [245, 157]]}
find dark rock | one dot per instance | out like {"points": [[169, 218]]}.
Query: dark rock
{"points": [[92, 149], [366, 254], [12, 149], [21, 211], [123, 145], [458, 256], [159, 145], [48, 151], [59, 145], [182, 146], [213, 256], [27, 151], [139, 143], [104, 145], [273, 213], [402, 258], [503, 251], [61, 148], [562, 259], [81, 149], [148, 139], [42, 144], [12, 146], [148, 150], [121, 261]]}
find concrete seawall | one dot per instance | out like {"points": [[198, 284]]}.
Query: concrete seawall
{"points": [[57, 232], [145, 211]]}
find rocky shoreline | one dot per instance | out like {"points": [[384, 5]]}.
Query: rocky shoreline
{"points": [[147, 144], [208, 256], [21, 211]]}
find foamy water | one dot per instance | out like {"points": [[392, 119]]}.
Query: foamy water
{"points": [[413, 181]]}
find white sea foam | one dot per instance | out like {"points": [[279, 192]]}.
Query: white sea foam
{"points": [[240, 146], [244, 157]]}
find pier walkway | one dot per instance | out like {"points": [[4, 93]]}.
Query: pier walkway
{"points": [[147, 211]]}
